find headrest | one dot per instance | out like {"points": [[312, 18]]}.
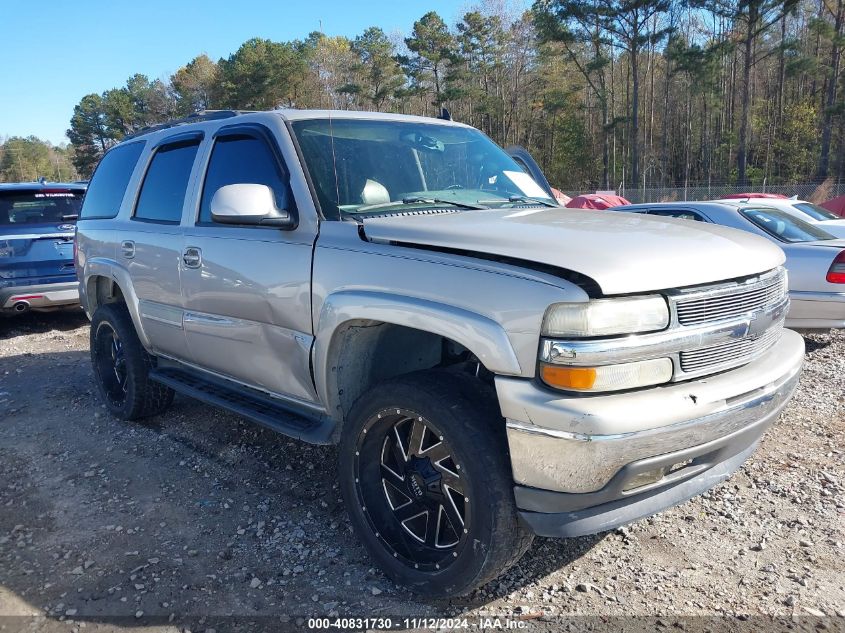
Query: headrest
{"points": [[374, 193]]}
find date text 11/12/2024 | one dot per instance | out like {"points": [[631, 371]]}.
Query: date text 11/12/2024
{"points": [[481, 623]]}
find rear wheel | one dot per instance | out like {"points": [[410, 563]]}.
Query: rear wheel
{"points": [[427, 482], [121, 366]]}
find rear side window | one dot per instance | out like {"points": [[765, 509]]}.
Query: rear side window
{"points": [[243, 159], [816, 212], [166, 183], [681, 214], [785, 227], [105, 192], [39, 206]]}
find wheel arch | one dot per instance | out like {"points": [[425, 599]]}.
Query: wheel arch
{"points": [[366, 337], [105, 282]]}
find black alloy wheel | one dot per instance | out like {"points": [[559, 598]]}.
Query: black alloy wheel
{"points": [[122, 366], [413, 494], [426, 478], [110, 362]]}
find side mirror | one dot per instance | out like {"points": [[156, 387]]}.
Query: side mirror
{"points": [[248, 204]]}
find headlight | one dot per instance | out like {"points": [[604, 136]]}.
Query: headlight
{"points": [[608, 377], [603, 317]]}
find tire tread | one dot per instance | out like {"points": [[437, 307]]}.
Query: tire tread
{"points": [[145, 397], [475, 403]]}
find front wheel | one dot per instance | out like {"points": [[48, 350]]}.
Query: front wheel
{"points": [[426, 479]]}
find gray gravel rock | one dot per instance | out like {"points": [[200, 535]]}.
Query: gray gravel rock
{"points": [[198, 512]]}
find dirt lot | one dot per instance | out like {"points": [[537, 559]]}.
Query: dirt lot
{"points": [[199, 513]]}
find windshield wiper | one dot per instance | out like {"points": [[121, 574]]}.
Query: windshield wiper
{"points": [[418, 200], [528, 199], [424, 200]]}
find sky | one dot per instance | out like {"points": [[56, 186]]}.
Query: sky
{"points": [[54, 52]]}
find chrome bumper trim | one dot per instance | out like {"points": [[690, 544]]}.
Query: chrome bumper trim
{"points": [[579, 444], [834, 297]]}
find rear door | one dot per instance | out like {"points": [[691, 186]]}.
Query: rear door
{"points": [[152, 247], [36, 235], [248, 288]]}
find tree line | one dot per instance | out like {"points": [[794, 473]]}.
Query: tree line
{"points": [[604, 93], [24, 159]]}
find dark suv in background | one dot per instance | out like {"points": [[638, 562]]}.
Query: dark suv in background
{"points": [[37, 225]]}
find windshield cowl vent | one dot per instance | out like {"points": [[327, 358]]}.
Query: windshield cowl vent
{"points": [[402, 214]]}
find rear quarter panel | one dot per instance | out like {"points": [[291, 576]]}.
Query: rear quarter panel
{"points": [[95, 245], [808, 265]]}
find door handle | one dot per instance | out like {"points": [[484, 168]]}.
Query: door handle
{"points": [[192, 257], [127, 247]]}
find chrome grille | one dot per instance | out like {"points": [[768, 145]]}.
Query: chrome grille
{"points": [[732, 301], [730, 354], [712, 328]]}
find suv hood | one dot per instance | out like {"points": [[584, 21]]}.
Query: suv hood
{"points": [[621, 252]]}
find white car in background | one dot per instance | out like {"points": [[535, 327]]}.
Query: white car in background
{"points": [[815, 259], [803, 210]]}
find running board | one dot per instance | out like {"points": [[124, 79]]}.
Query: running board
{"points": [[274, 413]]}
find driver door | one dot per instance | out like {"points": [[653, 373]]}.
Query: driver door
{"points": [[247, 289]]}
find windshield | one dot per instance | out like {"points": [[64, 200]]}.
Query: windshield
{"points": [[815, 211], [39, 206], [361, 166], [785, 227]]}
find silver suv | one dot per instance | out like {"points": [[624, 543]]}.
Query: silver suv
{"points": [[491, 365]]}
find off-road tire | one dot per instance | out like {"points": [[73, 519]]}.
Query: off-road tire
{"points": [[466, 414], [141, 396]]}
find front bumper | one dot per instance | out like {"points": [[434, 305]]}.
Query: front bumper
{"points": [[39, 296], [816, 310], [574, 457]]}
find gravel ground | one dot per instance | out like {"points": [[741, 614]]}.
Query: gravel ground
{"points": [[106, 524]]}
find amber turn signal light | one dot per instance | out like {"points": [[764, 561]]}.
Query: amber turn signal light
{"points": [[607, 377], [581, 378]]}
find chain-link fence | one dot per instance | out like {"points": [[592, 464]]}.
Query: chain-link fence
{"points": [[815, 191]]}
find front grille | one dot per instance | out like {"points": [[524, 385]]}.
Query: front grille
{"points": [[729, 354], [712, 329], [733, 301]]}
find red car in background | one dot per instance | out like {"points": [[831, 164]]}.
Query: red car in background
{"points": [[598, 201], [739, 196], [837, 206]]}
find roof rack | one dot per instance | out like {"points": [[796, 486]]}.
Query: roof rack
{"points": [[196, 117]]}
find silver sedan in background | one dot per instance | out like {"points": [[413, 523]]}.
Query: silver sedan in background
{"points": [[803, 210], [815, 258]]}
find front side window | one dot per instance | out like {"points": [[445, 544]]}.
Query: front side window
{"points": [[166, 183], [815, 211], [785, 227], [361, 166], [243, 159], [108, 184]]}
